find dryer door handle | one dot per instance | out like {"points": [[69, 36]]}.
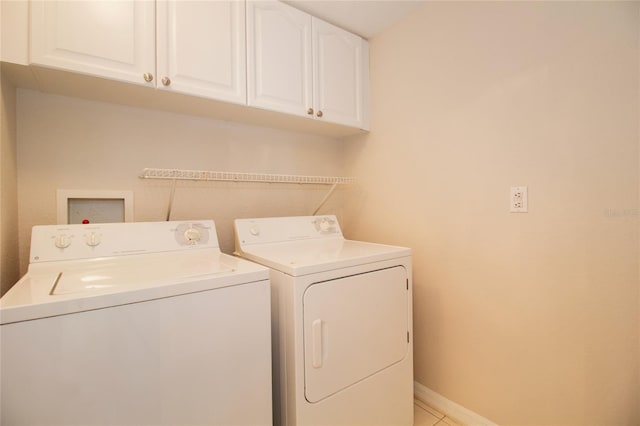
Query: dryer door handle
{"points": [[316, 333]]}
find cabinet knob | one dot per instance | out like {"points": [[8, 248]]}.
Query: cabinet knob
{"points": [[148, 77], [166, 81], [319, 114], [310, 111]]}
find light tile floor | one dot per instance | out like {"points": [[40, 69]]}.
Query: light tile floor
{"points": [[423, 415]]}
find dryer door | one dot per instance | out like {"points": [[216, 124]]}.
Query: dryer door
{"points": [[354, 327]]}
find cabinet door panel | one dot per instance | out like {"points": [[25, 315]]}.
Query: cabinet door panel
{"points": [[278, 57], [111, 39], [201, 48], [339, 74]]}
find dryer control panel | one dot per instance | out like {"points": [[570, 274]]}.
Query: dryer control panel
{"points": [[282, 229], [73, 242]]}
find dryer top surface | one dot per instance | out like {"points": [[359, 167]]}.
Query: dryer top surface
{"points": [[304, 257]]}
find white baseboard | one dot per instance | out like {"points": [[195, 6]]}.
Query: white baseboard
{"points": [[456, 411]]}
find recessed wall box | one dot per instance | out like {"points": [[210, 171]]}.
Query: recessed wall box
{"points": [[89, 206]]}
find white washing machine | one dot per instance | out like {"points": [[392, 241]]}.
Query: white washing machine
{"points": [[341, 320], [135, 324]]}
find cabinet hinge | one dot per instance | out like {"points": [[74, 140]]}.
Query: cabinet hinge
{"points": [[407, 283], [407, 337]]}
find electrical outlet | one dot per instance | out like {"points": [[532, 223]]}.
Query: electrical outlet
{"points": [[518, 199]]}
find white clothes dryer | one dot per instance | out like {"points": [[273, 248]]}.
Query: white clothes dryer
{"points": [[341, 322], [135, 324]]}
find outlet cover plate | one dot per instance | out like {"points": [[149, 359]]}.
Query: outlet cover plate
{"points": [[518, 199]]}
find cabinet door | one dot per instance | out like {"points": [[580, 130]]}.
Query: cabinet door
{"points": [[201, 48], [278, 57], [111, 39], [340, 74]]}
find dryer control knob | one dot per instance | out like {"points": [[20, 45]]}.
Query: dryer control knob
{"points": [[192, 235], [254, 230], [325, 226], [93, 239], [62, 241]]}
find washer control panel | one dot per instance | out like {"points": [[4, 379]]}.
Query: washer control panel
{"points": [[71, 242], [325, 225], [280, 229], [192, 233]]}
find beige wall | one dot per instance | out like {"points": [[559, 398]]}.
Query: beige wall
{"points": [[67, 143], [9, 265], [522, 318]]}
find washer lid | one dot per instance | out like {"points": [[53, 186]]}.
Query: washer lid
{"points": [[297, 258], [60, 288]]}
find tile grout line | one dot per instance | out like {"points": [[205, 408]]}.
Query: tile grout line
{"points": [[419, 407], [425, 407]]}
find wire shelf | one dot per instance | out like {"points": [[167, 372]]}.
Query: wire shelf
{"points": [[177, 174]]}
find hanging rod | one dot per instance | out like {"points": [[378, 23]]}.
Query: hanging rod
{"points": [[149, 173]]}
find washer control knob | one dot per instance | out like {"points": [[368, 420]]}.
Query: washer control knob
{"points": [[62, 241], [192, 235], [254, 230], [93, 239], [325, 225]]}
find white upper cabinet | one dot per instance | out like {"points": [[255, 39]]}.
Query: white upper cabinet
{"points": [[201, 48], [200, 45], [112, 39], [304, 66], [279, 60], [340, 70], [264, 54]]}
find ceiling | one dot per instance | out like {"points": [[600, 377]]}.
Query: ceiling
{"points": [[366, 18]]}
